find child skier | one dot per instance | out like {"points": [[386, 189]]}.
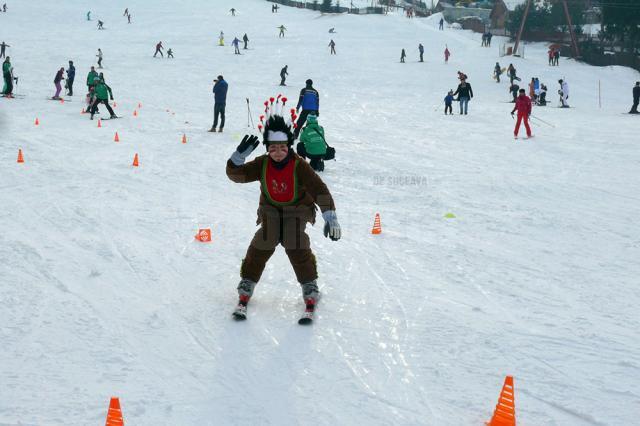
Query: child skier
{"points": [[523, 106], [313, 145], [448, 103], [56, 81], [290, 191]]}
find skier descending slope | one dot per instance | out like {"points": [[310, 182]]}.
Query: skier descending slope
{"points": [[290, 191]]}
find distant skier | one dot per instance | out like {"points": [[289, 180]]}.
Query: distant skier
{"points": [[402, 56], [4, 8], [290, 192], [126, 12], [3, 46], [332, 45], [332, 30], [245, 39], [71, 76], [100, 25], [99, 56], [159, 50], [169, 53], [128, 18], [564, 93], [542, 99], [7, 74], [636, 98], [465, 94], [233, 11], [421, 51], [513, 89], [309, 101], [556, 57], [102, 95], [283, 75], [90, 78], [497, 71], [88, 15], [489, 36], [56, 81], [220, 101], [551, 54], [484, 40], [282, 30], [511, 72], [446, 55], [523, 106], [448, 103], [236, 44], [441, 24], [221, 39]]}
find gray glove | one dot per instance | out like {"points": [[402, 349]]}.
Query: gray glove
{"points": [[246, 147], [331, 225]]}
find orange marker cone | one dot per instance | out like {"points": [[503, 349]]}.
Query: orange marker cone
{"points": [[20, 158], [99, 123], [82, 111], [377, 229], [184, 138], [61, 100], [204, 235], [505, 413], [114, 104], [135, 112], [37, 123], [116, 138], [135, 160], [114, 415]]}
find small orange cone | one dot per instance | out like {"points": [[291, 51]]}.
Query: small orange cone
{"points": [[20, 158], [135, 160], [114, 415], [37, 123], [184, 138], [505, 413], [61, 100], [204, 235], [114, 104], [83, 111], [377, 229], [135, 112], [116, 138], [99, 123]]}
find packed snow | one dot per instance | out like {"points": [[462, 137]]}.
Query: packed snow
{"points": [[105, 292]]}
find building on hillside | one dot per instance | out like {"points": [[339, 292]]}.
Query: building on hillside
{"points": [[500, 12]]}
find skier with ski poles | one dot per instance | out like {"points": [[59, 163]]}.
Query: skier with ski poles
{"points": [[290, 191], [523, 106], [56, 81]]}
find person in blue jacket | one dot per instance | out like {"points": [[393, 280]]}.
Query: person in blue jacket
{"points": [[71, 75], [448, 103], [309, 101], [220, 99]]}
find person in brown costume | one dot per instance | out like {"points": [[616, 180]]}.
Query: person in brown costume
{"points": [[290, 191]]}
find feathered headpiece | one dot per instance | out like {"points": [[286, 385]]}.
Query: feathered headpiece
{"points": [[273, 125]]}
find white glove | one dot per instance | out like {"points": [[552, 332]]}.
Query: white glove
{"points": [[331, 225]]}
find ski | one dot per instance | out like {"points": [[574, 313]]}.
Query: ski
{"points": [[59, 99], [240, 313]]}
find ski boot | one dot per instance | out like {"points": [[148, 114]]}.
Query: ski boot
{"points": [[245, 291]]}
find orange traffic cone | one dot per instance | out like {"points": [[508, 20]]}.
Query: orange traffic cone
{"points": [[114, 104], [204, 235], [135, 112], [377, 229], [61, 100], [505, 413], [20, 158], [83, 111], [116, 138], [114, 415], [99, 123], [135, 160], [37, 123], [184, 138]]}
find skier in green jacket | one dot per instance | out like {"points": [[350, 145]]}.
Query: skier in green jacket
{"points": [[313, 145], [102, 95]]}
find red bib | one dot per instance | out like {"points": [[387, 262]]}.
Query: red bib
{"points": [[280, 185]]}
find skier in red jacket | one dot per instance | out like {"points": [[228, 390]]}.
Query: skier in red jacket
{"points": [[523, 106]]}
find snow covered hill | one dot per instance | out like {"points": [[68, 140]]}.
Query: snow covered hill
{"points": [[104, 292]]}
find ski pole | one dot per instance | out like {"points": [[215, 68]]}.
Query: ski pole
{"points": [[249, 116], [542, 121]]}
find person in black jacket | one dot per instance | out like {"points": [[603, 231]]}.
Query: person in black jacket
{"points": [[71, 75], [283, 75], [636, 98], [465, 94]]}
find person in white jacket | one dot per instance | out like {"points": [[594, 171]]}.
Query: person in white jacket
{"points": [[564, 93]]}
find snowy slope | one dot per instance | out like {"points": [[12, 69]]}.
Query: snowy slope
{"points": [[103, 290]]}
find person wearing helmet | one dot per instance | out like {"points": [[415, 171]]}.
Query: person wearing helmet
{"points": [[290, 192], [309, 101], [313, 144]]}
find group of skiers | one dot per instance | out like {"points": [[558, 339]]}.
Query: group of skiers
{"points": [[159, 48], [486, 39], [554, 56]]}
